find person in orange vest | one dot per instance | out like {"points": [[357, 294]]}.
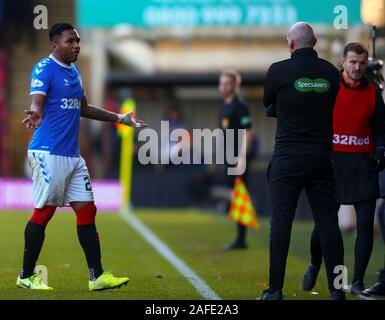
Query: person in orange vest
{"points": [[359, 155]]}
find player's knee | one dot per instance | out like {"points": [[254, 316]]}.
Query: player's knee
{"points": [[42, 216], [86, 215]]}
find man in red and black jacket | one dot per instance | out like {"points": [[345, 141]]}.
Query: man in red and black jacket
{"points": [[359, 146]]}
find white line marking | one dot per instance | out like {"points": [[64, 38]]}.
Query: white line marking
{"points": [[197, 282]]}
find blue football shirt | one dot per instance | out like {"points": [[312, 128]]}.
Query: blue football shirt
{"points": [[62, 86]]}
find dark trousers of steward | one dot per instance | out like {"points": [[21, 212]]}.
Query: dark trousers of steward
{"points": [[287, 176]]}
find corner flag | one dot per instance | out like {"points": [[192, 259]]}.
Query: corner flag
{"points": [[126, 154], [241, 209]]}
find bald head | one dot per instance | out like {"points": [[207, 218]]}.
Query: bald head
{"points": [[301, 35]]}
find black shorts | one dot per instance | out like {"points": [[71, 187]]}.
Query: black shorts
{"points": [[356, 177]]}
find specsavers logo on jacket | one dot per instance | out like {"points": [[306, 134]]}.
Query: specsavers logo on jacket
{"points": [[307, 85]]}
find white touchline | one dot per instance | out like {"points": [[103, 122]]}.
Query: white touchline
{"points": [[197, 282]]}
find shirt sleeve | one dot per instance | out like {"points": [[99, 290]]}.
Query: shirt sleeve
{"points": [[80, 79], [379, 121], [40, 79], [83, 92], [336, 84], [245, 121], [269, 93]]}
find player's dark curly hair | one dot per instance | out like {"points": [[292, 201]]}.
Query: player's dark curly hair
{"points": [[355, 47], [58, 28]]}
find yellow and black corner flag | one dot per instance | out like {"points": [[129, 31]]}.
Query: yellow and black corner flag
{"points": [[126, 153], [242, 209]]}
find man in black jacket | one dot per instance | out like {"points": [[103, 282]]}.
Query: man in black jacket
{"points": [[303, 90]]}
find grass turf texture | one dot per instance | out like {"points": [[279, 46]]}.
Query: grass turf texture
{"points": [[196, 238]]}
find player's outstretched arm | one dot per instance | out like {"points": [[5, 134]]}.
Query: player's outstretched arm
{"points": [[35, 112], [95, 113]]}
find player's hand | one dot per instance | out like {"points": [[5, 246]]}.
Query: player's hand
{"points": [[33, 119], [128, 120]]}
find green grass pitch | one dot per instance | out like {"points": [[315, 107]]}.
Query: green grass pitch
{"points": [[196, 237]]}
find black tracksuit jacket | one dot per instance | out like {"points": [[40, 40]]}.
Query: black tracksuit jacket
{"points": [[302, 90]]}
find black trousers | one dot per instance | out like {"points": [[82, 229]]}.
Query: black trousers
{"points": [[381, 219], [364, 240], [357, 183], [287, 176]]}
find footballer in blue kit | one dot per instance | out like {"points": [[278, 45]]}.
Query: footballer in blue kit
{"points": [[59, 174], [62, 87]]}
